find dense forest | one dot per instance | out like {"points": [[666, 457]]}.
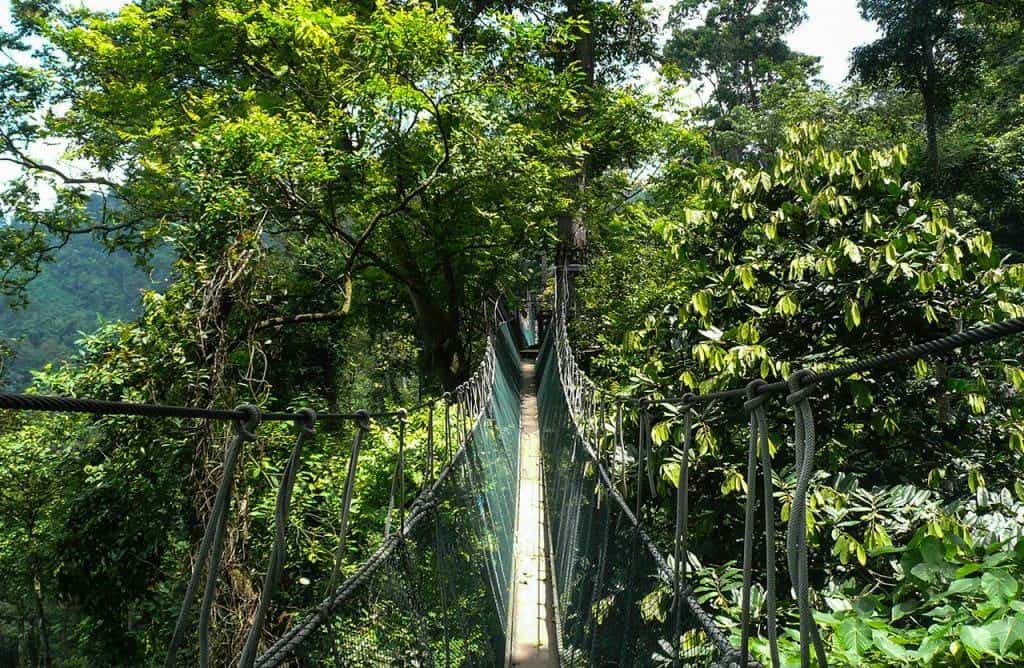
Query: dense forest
{"points": [[348, 188], [85, 285]]}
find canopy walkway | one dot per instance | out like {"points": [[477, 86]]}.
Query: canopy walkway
{"points": [[528, 542]]}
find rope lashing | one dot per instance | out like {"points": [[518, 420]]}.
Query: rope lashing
{"points": [[801, 384], [212, 544], [758, 442], [682, 532], [307, 430], [362, 428]]}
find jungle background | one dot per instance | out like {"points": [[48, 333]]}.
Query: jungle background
{"points": [[309, 203]]}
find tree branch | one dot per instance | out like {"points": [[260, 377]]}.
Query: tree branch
{"points": [[361, 240], [21, 159]]}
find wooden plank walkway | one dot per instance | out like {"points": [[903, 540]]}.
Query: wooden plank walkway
{"points": [[533, 616]]}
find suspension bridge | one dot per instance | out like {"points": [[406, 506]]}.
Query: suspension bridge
{"points": [[526, 543]]}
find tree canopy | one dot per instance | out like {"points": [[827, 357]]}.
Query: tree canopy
{"points": [[337, 197]]}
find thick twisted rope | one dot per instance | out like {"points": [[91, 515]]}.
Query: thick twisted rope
{"points": [[467, 397], [574, 384], [53, 404], [946, 344], [796, 536], [212, 544], [307, 430]]}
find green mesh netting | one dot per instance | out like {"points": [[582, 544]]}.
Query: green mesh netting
{"points": [[614, 589], [438, 592]]}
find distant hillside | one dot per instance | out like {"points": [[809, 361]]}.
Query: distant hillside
{"points": [[84, 285]]}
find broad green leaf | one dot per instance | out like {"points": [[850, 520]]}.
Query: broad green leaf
{"points": [[999, 585], [854, 635]]}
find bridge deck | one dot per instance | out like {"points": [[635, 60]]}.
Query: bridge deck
{"points": [[533, 616]]}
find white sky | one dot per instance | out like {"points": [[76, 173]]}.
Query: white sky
{"points": [[832, 29]]}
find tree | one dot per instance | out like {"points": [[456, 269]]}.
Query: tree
{"points": [[926, 48], [737, 48], [330, 177], [726, 273]]}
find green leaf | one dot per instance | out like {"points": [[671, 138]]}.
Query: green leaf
{"points": [[852, 314], [888, 647], [963, 586], [979, 639], [999, 585], [904, 608], [701, 301], [854, 635]]}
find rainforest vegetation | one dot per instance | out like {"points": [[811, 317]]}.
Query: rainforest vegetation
{"points": [[345, 189]]}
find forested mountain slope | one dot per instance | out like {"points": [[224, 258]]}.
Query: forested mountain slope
{"points": [[85, 285]]}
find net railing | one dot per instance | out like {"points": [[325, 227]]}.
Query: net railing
{"points": [[436, 592], [619, 601]]}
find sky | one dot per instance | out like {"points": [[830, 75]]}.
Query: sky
{"points": [[832, 29]]}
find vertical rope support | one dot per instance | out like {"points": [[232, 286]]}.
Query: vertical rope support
{"points": [[448, 426], [796, 535], [402, 417], [754, 406], [222, 506], [307, 429], [362, 428], [652, 478], [430, 443], [244, 431], [620, 445], [682, 532], [640, 461]]}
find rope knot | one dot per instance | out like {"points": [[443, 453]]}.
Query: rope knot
{"points": [[363, 419], [306, 421], [801, 386], [755, 398], [447, 397], [246, 426], [688, 400], [402, 414]]}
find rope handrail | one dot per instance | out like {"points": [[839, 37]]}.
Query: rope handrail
{"points": [[58, 404], [582, 411], [946, 344], [471, 397]]}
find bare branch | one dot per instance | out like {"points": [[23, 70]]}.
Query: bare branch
{"points": [[23, 160]]}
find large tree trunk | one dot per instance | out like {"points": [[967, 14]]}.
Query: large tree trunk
{"points": [[572, 231], [438, 319], [443, 348]]}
